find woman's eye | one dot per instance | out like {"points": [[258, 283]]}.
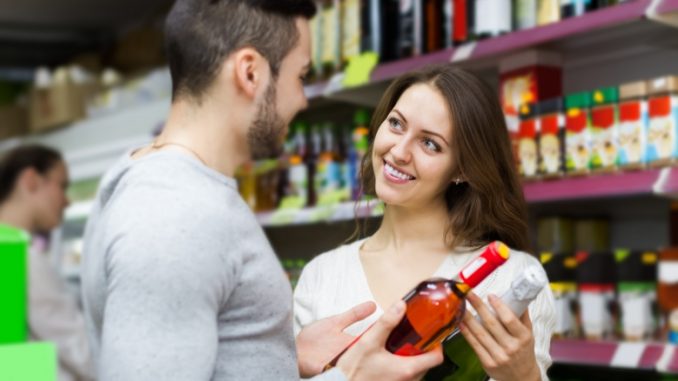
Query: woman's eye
{"points": [[395, 123], [431, 145]]}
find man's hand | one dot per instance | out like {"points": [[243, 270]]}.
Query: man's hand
{"points": [[319, 342], [368, 358]]}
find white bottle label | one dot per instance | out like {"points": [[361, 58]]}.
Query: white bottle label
{"points": [[472, 267], [668, 272]]}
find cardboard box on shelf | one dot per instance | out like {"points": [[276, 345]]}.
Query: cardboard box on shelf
{"points": [[13, 121], [59, 104]]}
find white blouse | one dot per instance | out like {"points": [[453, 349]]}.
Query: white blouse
{"points": [[335, 281]]}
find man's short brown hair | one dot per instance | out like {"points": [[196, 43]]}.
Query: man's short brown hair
{"points": [[200, 34]]}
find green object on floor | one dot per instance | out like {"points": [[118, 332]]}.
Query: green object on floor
{"points": [[28, 362], [13, 286]]}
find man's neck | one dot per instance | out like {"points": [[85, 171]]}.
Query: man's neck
{"points": [[210, 134]]}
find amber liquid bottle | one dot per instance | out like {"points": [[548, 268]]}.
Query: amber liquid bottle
{"points": [[436, 306]]}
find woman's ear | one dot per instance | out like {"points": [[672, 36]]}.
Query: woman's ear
{"points": [[28, 180]]}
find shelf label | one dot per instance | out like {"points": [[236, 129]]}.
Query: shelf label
{"points": [[463, 52], [628, 355], [359, 69]]}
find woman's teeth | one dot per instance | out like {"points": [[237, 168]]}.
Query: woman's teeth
{"points": [[396, 173]]}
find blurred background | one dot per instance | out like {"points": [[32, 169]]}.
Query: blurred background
{"points": [[589, 89]]}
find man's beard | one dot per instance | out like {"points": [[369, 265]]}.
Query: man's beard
{"points": [[264, 136]]}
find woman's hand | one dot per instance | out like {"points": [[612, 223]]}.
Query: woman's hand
{"points": [[504, 344]]}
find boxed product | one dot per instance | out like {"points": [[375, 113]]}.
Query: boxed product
{"points": [[633, 124], [636, 293], [551, 137], [577, 133], [604, 121], [662, 142], [596, 285], [528, 132]]}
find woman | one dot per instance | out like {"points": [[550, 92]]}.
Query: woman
{"points": [[33, 182], [440, 159]]}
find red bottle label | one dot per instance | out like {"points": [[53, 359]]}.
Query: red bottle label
{"points": [[603, 116], [408, 350], [549, 124], [629, 111], [660, 106], [494, 256]]}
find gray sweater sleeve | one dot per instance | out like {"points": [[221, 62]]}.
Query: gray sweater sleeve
{"points": [[165, 287]]}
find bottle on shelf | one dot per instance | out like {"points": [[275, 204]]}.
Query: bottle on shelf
{"points": [[633, 124], [390, 30], [596, 285], [295, 191], [460, 24], [561, 268], [492, 18], [328, 168], [528, 137], [410, 32], [577, 133], [604, 122], [574, 8], [636, 290], [662, 136], [360, 145], [433, 25], [551, 138], [330, 24], [315, 149], [436, 306], [667, 292], [461, 362], [524, 14], [370, 25], [351, 30], [548, 11]]}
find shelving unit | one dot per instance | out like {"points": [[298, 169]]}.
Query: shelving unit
{"points": [[641, 33], [648, 356]]}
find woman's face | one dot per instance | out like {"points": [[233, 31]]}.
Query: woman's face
{"points": [[50, 198], [411, 156]]}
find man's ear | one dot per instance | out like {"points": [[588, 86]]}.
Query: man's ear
{"points": [[28, 180], [250, 69]]}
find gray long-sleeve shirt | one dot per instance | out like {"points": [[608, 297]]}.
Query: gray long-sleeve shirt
{"points": [[179, 280]]}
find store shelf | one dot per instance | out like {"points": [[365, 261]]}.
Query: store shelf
{"points": [[320, 214], [78, 210], [650, 356], [660, 182], [635, 28]]}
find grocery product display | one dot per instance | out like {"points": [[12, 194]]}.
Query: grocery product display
{"points": [[591, 107]]}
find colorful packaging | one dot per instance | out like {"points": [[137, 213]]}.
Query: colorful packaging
{"points": [[662, 145], [637, 293], [551, 138], [577, 133], [528, 152], [667, 292], [633, 124], [560, 269], [13, 285], [604, 122], [596, 285], [525, 78]]}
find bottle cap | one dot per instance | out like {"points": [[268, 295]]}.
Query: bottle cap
{"points": [[494, 256]]}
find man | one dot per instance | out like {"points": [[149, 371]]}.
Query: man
{"points": [[179, 281]]}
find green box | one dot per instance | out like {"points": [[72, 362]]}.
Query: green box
{"points": [[13, 285], [28, 362]]}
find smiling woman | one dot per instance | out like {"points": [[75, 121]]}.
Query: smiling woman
{"points": [[440, 159]]}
